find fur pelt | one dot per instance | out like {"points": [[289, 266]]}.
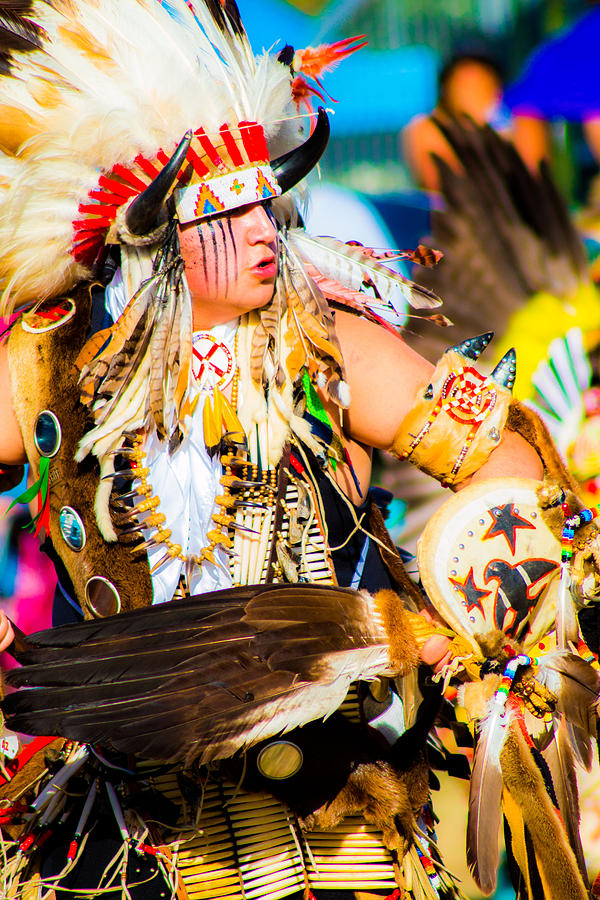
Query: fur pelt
{"points": [[554, 857], [529, 425], [403, 650], [43, 376], [346, 771]]}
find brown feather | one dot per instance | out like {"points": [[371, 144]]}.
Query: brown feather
{"points": [[559, 757], [200, 679]]}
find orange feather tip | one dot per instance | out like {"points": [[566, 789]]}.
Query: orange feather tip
{"points": [[315, 61], [302, 93], [425, 256]]}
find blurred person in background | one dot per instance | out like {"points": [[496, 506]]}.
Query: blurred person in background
{"points": [[470, 84]]}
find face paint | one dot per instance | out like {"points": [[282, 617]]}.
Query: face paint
{"points": [[230, 263]]}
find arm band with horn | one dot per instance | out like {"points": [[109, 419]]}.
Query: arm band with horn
{"points": [[457, 418]]}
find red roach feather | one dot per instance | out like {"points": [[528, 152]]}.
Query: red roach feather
{"points": [[315, 61]]}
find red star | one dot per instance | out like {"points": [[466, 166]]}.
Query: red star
{"points": [[472, 594], [506, 521]]}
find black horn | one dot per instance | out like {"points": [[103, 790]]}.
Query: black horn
{"points": [[292, 167], [142, 215]]}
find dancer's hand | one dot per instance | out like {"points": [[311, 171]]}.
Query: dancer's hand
{"points": [[435, 652], [7, 634]]}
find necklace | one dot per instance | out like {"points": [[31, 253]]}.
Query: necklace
{"points": [[217, 536], [214, 370]]}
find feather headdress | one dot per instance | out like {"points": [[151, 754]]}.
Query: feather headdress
{"points": [[94, 98]]}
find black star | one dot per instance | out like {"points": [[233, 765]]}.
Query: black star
{"points": [[506, 521], [472, 594]]}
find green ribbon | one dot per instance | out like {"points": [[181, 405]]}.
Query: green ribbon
{"points": [[40, 490]]}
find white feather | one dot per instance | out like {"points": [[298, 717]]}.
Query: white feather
{"points": [[560, 381], [349, 266]]}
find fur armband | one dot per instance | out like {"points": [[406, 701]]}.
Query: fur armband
{"points": [[458, 418]]}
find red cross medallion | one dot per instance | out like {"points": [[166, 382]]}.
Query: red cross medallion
{"points": [[212, 361]]}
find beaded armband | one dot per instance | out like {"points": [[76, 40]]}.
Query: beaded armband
{"points": [[457, 419]]}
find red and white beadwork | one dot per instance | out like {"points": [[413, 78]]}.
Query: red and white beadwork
{"points": [[213, 362], [467, 396]]}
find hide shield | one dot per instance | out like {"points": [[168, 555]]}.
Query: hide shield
{"points": [[488, 561]]}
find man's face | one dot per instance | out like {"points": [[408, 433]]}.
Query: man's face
{"points": [[230, 263]]}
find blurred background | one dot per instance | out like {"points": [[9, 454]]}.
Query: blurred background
{"points": [[530, 68]]}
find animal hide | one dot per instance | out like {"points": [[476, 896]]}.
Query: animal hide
{"points": [[555, 858], [44, 377]]}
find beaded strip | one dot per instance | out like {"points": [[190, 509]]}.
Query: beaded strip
{"points": [[572, 523], [508, 676]]}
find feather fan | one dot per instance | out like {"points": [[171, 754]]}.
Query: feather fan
{"points": [[506, 235], [201, 679]]}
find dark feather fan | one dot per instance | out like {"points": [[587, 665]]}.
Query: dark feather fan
{"points": [[505, 233], [200, 678]]}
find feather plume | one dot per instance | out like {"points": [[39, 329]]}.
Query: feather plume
{"points": [[201, 680], [351, 267], [266, 335], [311, 330], [315, 61], [567, 629], [577, 688], [421, 255], [485, 796]]}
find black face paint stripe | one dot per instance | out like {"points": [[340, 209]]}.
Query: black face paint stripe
{"points": [[233, 244], [201, 236], [215, 260], [226, 254]]}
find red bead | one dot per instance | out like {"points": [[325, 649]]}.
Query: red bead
{"points": [[27, 843], [152, 851]]}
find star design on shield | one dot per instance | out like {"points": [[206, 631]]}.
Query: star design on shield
{"points": [[472, 594], [506, 521]]}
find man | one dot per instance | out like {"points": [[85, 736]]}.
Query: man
{"points": [[200, 422]]}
